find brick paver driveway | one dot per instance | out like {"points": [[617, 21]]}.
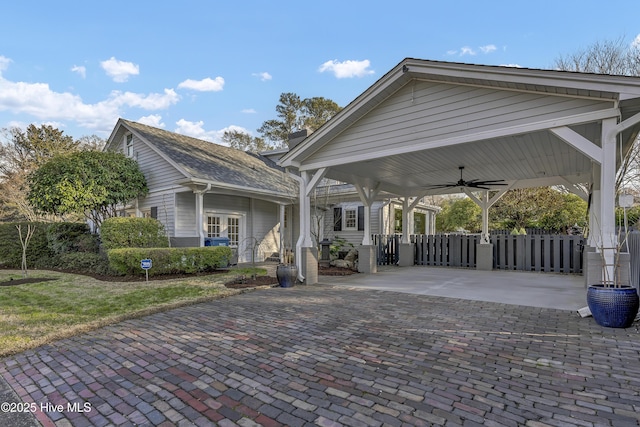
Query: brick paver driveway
{"points": [[323, 355]]}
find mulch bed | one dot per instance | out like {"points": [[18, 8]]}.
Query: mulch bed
{"points": [[248, 282], [237, 283], [14, 282], [335, 271]]}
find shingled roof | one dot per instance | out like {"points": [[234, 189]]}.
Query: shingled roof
{"points": [[210, 162]]}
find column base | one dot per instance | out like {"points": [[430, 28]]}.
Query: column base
{"points": [[309, 265], [484, 256], [406, 256], [367, 260]]}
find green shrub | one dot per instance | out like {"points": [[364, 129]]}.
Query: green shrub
{"points": [[84, 262], [121, 232], [126, 261], [65, 237], [38, 252]]}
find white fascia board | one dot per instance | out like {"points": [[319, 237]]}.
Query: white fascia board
{"points": [[462, 139], [620, 87]]}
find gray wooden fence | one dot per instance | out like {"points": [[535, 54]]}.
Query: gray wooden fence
{"points": [[539, 252]]}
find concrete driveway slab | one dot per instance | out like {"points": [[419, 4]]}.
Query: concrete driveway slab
{"points": [[331, 355], [546, 290]]}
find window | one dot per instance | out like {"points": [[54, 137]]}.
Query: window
{"points": [[233, 230], [129, 145], [350, 219], [225, 225], [213, 226]]}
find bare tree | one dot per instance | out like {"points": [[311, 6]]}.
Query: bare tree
{"points": [[614, 57], [24, 241]]}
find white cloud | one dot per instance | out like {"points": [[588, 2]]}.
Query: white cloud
{"points": [[119, 71], [264, 76], [4, 63], [249, 111], [81, 70], [152, 101], [39, 101], [196, 130], [347, 69], [204, 85], [466, 50], [154, 120], [488, 48], [636, 41]]}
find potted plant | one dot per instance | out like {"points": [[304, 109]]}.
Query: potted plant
{"points": [[614, 302], [287, 271]]}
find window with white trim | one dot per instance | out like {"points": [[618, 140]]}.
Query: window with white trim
{"points": [[129, 145], [350, 219]]}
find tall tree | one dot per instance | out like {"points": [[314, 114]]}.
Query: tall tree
{"points": [[295, 114], [90, 183], [245, 142], [616, 57], [22, 152]]}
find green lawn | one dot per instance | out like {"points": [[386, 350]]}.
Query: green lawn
{"points": [[38, 313]]}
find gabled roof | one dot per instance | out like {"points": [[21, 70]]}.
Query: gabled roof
{"points": [[205, 162], [418, 124]]}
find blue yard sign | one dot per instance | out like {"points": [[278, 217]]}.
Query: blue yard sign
{"points": [[145, 264]]}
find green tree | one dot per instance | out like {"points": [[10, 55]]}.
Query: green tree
{"points": [[525, 207], [295, 114], [571, 211], [459, 214], [317, 111], [21, 152], [245, 142], [91, 183]]}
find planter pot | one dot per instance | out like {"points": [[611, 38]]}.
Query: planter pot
{"points": [[287, 275], [613, 307]]}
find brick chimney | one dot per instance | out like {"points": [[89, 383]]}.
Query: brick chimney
{"points": [[296, 138]]}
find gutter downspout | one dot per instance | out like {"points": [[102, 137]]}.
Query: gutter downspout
{"points": [[301, 186]]}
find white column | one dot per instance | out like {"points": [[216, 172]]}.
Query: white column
{"points": [[608, 195], [282, 231], [200, 216], [366, 239], [405, 220]]}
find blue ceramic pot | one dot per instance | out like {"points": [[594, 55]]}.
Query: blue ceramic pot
{"points": [[613, 307], [287, 275]]}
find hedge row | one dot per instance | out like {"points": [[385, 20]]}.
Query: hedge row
{"points": [[11, 249], [132, 232], [126, 261]]}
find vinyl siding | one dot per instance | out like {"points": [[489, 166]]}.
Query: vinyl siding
{"points": [[265, 225], [165, 204], [427, 111]]}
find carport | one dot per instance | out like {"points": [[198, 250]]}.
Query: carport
{"points": [[414, 129]]}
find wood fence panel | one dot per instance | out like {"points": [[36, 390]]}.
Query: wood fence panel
{"points": [[546, 253]]}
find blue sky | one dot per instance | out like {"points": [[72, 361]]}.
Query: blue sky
{"points": [[199, 67]]}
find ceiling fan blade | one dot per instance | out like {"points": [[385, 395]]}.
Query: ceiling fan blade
{"points": [[434, 187], [492, 180]]}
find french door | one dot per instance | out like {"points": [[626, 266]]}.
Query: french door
{"points": [[225, 225]]}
